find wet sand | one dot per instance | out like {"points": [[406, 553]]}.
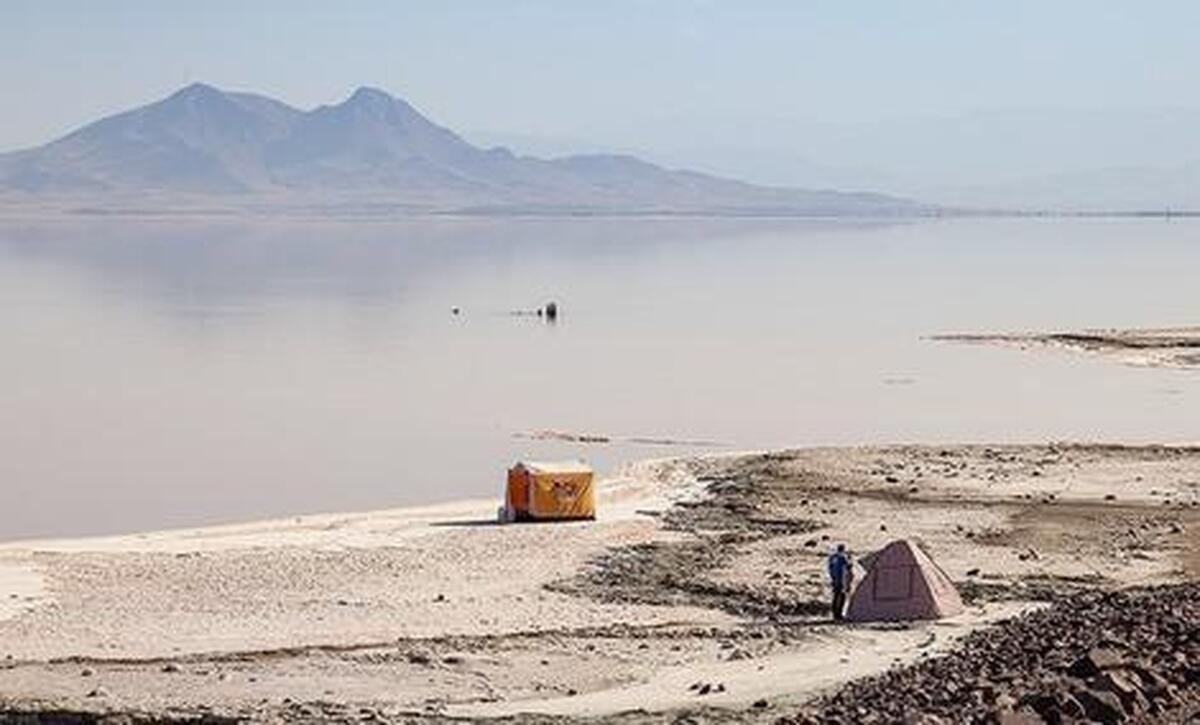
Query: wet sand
{"points": [[699, 589]]}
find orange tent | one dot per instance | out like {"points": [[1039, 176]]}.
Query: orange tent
{"points": [[903, 583], [549, 491]]}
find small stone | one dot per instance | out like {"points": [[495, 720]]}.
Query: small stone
{"points": [[1104, 707], [1095, 661], [98, 692], [1124, 688], [1151, 680], [1023, 716], [760, 704], [973, 572], [87, 672], [419, 658], [170, 667], [1070, 707]]}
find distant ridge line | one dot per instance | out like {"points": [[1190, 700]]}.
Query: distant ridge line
{"points": [[203, 148]]}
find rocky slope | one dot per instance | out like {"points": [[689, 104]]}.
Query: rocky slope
{"points": [[1131, 655]]}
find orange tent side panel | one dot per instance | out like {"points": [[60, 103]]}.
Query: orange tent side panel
{"points": [[517, 494], [557, 495]]}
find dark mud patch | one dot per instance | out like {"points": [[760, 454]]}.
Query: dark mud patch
{"points": [[674, 574], [32, 715], [735, 512], [1031, 588], [1176, 347]]}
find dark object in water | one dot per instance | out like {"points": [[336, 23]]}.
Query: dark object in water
{"points": [[551, 311]]}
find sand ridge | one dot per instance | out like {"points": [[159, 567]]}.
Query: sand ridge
{"points": [[1166, 347]]}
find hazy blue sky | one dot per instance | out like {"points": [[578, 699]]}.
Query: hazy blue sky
{"points": [[599, 70]]}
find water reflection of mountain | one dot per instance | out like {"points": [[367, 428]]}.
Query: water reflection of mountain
{"points": [[210, 268]]}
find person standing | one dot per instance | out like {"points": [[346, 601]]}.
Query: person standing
{"points": [[841, 577]]}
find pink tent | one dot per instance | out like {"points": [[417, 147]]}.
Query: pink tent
{"points": [[902, 583]]}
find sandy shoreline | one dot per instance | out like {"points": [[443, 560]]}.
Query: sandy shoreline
{"points": [[437, 612]]}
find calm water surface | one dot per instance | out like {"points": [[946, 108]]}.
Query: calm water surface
{"points": [[167, 374]]}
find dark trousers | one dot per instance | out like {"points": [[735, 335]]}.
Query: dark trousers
{"points": [[839, 603]]}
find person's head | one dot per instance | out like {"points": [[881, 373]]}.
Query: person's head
{"points": [[841, 548]]}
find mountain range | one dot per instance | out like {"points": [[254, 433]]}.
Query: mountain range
{"points": [[1107, 159], [203, 145]]}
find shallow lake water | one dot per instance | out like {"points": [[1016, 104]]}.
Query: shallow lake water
{"points": [[160, 374]]}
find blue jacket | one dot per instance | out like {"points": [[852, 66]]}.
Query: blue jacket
{"points": [[839, 569]]}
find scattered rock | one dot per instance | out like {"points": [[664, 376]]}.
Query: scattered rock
{"points": [[1095, 661], [1024, 716], [419, 657], [1101, 655], [1100, 706]]}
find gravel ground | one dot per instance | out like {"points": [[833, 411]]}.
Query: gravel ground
{"points": [[1131, 655]]}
